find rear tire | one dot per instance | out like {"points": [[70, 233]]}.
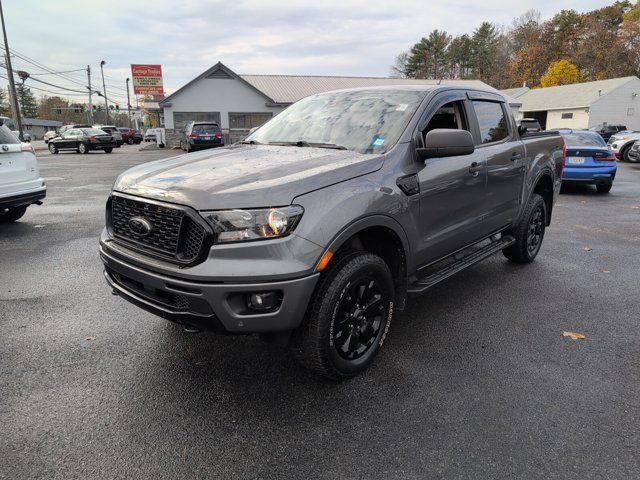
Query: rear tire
{"points": [[12, 215], [604, 187], [131, 141], [108, 150], [52, 148], [529, 233], [82, 148], [347, 318]]}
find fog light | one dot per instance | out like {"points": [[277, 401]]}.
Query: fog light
{"points": [[264, 301]]}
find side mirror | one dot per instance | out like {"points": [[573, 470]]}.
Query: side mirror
{"points": [[522, 130], [445, 142]]}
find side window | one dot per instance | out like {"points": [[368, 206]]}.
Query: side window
{"points": [[450, 115], [491, 120]]}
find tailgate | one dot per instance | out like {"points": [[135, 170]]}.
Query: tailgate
{"points": [[14, 165]]}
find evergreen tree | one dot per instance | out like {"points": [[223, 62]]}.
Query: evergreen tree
{"points": [[27, 101], [5, 108]]}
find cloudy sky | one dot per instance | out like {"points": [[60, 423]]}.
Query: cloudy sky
{"points": [[327, 37]]}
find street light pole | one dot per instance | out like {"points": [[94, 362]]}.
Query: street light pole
{"points": [[12, 86], [90, 92], [128, 102], [104, 91]]}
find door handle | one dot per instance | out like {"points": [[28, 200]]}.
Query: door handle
{"points": [[515, 156], [475, 168]]}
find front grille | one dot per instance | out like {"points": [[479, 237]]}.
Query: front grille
{"points": [[174, 234]]}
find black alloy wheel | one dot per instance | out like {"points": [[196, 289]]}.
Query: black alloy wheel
{"points": [[348, 317], [528, 233], [359, 318], [535, 230]]}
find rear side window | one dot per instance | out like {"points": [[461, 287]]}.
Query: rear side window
{"points": [[7, 136], [491, 120]]}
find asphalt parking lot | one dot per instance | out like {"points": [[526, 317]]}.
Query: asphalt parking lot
{"points": [[475, 379]]}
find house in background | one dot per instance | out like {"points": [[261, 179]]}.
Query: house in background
{"points": [[37, 127], [582, 105], [240, 102]]}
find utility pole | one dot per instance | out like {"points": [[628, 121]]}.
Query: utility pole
{"points": [[90, 92], [12, 86], [128, 102], [104, 91]]}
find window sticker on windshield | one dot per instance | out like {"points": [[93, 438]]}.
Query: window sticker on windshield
{"points": [[378, 142], [402, 107]]}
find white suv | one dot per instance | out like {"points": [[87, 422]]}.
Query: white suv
{"points": [[621, 144], [20, 182]]}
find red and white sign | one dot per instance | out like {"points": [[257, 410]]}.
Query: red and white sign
{"points": [[147, 79]]}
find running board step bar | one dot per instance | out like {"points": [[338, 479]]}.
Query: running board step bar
{"points": [[474, 256]]}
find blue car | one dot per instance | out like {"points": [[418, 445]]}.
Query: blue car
{"points": [[589, 160]]}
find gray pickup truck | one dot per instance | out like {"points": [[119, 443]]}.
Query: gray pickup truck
{"points": [[320, 225]]}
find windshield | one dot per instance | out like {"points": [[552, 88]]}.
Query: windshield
{"points": [[7, 136], [583, 139], [203, 128], [365, 121]]}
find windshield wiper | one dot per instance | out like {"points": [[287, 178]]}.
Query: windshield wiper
{"points": [[303, 143]]}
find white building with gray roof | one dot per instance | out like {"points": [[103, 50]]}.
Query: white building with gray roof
{"points": [[239, 102], [582, 105]]}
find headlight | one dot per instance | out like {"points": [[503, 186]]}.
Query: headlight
{"points": [[243, 225]]}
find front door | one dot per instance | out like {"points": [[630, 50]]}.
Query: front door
{"points": [[452, 189]]}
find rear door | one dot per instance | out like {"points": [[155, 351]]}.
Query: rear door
{"points": [[503, 154], [14, 165], [452, 189]]}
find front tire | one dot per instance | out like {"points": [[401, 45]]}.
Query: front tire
{"points": [[624, 154], [529, 233], [347, 318], [52, 148], [12, 215], [82, 148]]}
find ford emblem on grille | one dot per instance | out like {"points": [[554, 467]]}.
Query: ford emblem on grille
{"points": [[140, 226]]}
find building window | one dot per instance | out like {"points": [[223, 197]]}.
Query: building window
{"points": [[630, 112], [567, 116], [246, 121], [180, 119]]}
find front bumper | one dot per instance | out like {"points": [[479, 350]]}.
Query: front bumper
{"points": [[23, 198], [217, 306]]}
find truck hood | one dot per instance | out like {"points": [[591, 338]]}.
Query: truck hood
{"points": [[245, 176]]}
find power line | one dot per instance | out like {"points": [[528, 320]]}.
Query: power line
{"points": [[58, 86], [50, 91], [56, 73]]}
